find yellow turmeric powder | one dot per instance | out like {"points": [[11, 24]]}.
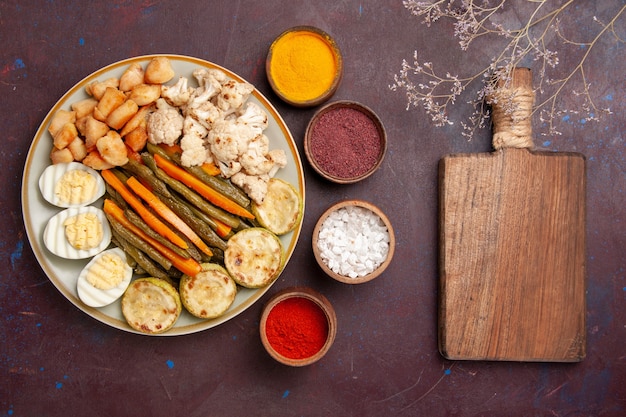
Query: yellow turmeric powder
{"points": [[303, 65]]}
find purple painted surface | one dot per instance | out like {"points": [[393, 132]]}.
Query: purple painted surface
{"points": [[55, 360]]}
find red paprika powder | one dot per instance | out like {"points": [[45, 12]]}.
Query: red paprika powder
{"points": [[345, 142], [297, 328]]}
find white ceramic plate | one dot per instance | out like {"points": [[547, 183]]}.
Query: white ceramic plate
{"points": [[64, 273]]}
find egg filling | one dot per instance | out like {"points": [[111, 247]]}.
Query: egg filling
{"points": [[83, 231], [107, 271], [75, 187]]}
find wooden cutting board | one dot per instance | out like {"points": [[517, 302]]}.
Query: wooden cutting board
{"points": [[512, 249]]}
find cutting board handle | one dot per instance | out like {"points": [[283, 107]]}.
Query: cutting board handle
{"points": [[512, 103]]}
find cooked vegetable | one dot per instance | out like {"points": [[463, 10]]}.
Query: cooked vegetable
{"points": [[190, 195], [148, 176], [159, 70], [187, 266], [151, 305], [253, 257], [142, 260], [207, 173], [166, 213], [154, 222], [282, 208], [196, 220], [138, 221], [207, 192], [210, 293], [123, 229]]}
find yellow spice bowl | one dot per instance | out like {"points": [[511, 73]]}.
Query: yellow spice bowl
{"points": [[304, 66]]}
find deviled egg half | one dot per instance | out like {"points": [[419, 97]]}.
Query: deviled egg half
{"points": [[104, 279], [77, 233], [71, 185]]}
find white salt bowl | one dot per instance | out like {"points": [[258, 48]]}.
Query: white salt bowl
{"points": [[351, 263]]}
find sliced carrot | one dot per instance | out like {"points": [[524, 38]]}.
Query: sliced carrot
{"points": [[166, 213], [152, 220], [213, 196], [221, 228], [187, 266], [210, 168]]}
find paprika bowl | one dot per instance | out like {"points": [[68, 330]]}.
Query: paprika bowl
{"points": [[304, 66], [353, 241], [298, 326], [345, 142]]}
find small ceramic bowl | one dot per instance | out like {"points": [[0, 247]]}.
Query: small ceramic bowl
{"points": [[337, 237], [311, 308], [345, 142], [292, 72]]}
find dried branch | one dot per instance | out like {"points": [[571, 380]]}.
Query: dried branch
{"points": [[474, 19]]}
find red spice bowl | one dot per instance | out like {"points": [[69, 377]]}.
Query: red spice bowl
{"points": [[345, 142], [298, 326]]}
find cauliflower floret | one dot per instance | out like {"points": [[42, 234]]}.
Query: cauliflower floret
{"points": [[227, 140], [254, 164], [279, 160], [201, 95], [233, 95], [228, 169], [253, 185], [254, 160], [165, 125], [194, 152], [177, 94], [253, 115], [192, 143], [210, 77], [206, 113]]}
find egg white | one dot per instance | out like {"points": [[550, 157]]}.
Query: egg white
{"points": [[95, 297], [53, 174], [56, 242]]}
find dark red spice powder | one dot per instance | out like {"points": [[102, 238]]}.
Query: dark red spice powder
{"points": [[296, 328], [345, 142]]}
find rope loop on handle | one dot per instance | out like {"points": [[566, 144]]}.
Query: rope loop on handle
{"points": [[511, 115]]}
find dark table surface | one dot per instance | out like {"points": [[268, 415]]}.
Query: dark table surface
{"points": [[56, 360]]}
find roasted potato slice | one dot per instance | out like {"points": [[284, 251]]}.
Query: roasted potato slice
{"points": [[159, 71], [111, 100], [122, 114]]}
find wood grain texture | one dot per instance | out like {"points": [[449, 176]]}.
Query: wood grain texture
{"points": [[512, 256]]}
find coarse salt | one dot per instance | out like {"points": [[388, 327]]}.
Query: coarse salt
{"points": [[353, 241]]}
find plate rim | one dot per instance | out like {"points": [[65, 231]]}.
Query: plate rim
{"points": [[39, 250]]}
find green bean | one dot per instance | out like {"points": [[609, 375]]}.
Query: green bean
{"points": [[115, 196], [190, 195], [120, 175], [193, 251], [117, 241], [146, 174], [150, 267], [222, 186], [139, 243], [135, 219], [207, 219], [198, 224]]}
